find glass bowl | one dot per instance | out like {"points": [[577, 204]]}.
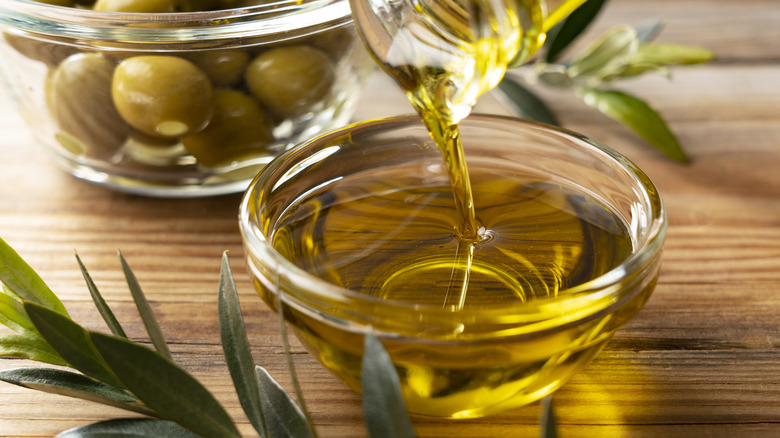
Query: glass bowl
{"points": [[180, 104], [353, 230]]}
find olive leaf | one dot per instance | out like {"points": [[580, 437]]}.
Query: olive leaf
{"points": [[13, 316], [72, 384], [638, 116], [568, 29], [129, 428], [236, 349], [23, 281], [671, 54], [100, 303], [275, 400], [619, 53], [164, 387], [649, 31], [30, 347], [284, 419], [653, 57], [286, 345], [71, 341], [527, 104], [383, 403], [147, 315], [605, 57], [7, 291], [636, 68], [547, 423]]}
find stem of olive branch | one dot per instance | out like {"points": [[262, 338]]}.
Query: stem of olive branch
{"points": [[288, 356]]}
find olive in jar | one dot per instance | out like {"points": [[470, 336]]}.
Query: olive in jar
{"points": [[291, 80], [225, 68], [78, 94], [239, 127], [164, 96]]}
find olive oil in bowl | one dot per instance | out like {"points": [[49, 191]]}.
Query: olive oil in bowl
{"points": [[359, 232]]}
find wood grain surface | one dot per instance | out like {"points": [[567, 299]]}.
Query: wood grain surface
{"points": [[702, 359]]}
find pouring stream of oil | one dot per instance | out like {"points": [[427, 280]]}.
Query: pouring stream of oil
{"points": [[445, 54]]}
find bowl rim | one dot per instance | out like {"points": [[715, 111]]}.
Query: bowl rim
{"points": [[572, 306], [277, 20]]}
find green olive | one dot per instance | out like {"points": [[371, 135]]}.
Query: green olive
{"points": [[136, 5], [164, 96], [291, 80], [224, 67], [78, 93], [239, 127]]}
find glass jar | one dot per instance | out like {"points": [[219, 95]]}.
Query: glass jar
{"points": [[179, 104]]}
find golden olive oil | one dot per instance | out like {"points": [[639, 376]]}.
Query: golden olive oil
{"points": [[383, 235]]}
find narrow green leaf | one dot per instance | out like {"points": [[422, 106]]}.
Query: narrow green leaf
{"points": [[635, 69], [671, 54], [235, 345], [71, 341], [283, 418], [606, 56], [13, 316], [129, 428], [287, 355], [29, 346], [20, 278], [71, 384], [571, 27], [547, 426], [164, 387], [525, 103], [657, 58], [147, 315], [383, 405], [637, 115], [7, 291], [100, 303], [649, 31]]}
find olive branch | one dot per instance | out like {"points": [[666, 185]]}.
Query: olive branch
{"points": [[622, 52]]}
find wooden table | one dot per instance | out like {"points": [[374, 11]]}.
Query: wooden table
{"points": [[701, 359]]}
